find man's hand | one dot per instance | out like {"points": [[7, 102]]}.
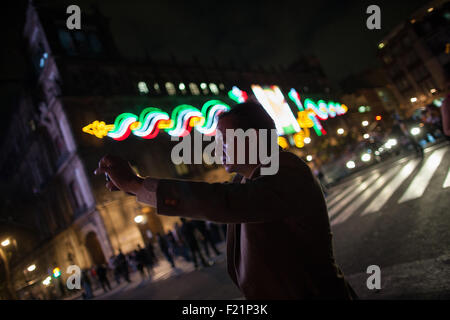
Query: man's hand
{"points": [[121, 175]]}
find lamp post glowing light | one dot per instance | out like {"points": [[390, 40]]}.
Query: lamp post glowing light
{"points": [[31, 268], [340, 131], [415, 131], [6, 243], [366, 136], [413, 99], [139, 219], [365, 123], [307, 140], [47, 281], [365, 157], [351, 164], [309, 157]]}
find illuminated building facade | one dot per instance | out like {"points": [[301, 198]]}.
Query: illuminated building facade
{"points": [[416, 56], [54, 144]]}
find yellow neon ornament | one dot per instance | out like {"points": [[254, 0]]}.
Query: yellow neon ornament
{"points": [[299, 137], [165, 124], [98, 128], [283, 143], [304, 120], [196, 121], [135, 125]]}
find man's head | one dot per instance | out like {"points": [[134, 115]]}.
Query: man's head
{"points": [[248, 115]]}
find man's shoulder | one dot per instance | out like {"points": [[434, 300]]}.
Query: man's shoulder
{"points": [[288, 159]]}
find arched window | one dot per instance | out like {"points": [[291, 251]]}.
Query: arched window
{"points": [[157, 88], [204, 88], [213, 88], [194, 89], [142, 86], [182, 88], [170, 88]]}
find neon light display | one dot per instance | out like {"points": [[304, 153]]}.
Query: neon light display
{"points": [[296, 98], [272, 99], [184, 117], [321, 110], [151, 120], [237, 95]]}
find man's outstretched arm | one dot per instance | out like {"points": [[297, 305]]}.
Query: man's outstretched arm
{"points": [[263, 199]]}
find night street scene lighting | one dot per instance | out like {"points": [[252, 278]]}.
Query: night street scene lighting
{"points": [[219, 154]]}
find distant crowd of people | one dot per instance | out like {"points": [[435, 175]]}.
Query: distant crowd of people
{"points": [[192, 240]]}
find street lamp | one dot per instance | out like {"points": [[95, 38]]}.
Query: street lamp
{"points": [[365, 157], [31, 268], [340, 131], [366, 136], [365, 123], [139, 219], [309, 157], [4, 257], [351, 164], [415, 131], [47, 281], [307, 140]]}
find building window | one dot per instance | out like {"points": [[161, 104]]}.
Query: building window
{"points": [[95, 43], [213, 88], [204, 88], [194, 89], [170, 88], [157, 88], [67, 42], [221, 86], [82, 42], [182, 88], [142, 86]]}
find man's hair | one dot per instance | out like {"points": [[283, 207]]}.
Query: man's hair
{"points": [[249, 115]]}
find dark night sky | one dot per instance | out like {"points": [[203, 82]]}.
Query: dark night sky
{"points": [[269, 32]]}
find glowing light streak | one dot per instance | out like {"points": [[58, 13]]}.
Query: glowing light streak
{"points": [[237, 95], [273, 102]]}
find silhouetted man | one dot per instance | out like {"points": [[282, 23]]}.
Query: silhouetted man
{"points": [[279, 244]]}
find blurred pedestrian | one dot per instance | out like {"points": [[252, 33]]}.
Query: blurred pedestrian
{"points": [[142, 262], [206, 237], [164, 246], [86, 284], [122, 264], [151, 253], [188, 232], [115, 269], [184, 250], [103, 277], [214, 231]]}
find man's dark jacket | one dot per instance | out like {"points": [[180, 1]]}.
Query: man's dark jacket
{"points": [[279, 244]]}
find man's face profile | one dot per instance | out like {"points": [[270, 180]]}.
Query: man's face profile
{"points": [[230, 165]]}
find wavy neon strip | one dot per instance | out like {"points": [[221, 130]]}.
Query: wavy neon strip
{"points": [[150, 119], [211, 109], [122, 125]]}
